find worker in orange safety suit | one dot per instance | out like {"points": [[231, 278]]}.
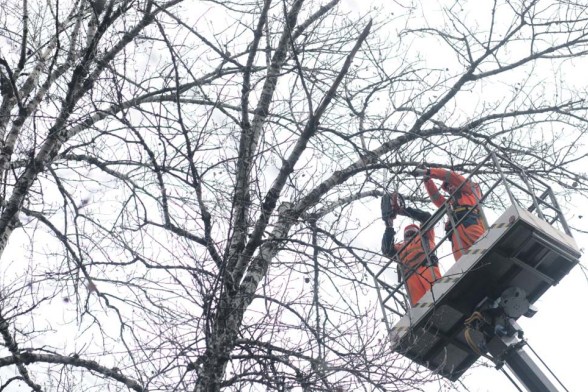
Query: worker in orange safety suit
{"points": [[463, 204], [418, 270]]}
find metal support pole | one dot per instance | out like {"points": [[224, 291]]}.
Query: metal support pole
{"points": [[480, 209], [454, 233], [532, 193], [521, 364], [559, 213], [429, 261], [404, 279], [498, 167], [384, 313]]}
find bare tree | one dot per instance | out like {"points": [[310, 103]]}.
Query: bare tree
{"points": [[188, 178]]}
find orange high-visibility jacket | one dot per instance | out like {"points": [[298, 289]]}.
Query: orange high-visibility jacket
{"points": [[421, 277], [472, 227]]}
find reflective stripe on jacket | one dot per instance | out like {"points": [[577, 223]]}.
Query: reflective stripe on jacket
{"points": [[414, 254]]}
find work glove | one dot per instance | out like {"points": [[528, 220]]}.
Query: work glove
{"points": [[391, 206], [388, 213], [399, 204], [421, 172]]}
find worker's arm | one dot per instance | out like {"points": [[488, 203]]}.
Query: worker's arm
{"points": [[416, 214], [451, 177], [432, 190], [421, 216], [436, 197], [388, 248]]}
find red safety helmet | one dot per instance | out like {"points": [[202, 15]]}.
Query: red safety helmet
{"points": [[410, 231]]}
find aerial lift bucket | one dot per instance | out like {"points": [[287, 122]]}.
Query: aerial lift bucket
{"points": [[524, 252]]}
